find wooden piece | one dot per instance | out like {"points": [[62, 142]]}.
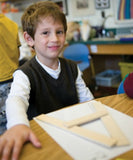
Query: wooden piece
{"points": [[117, 136], [112, 127], [114, 130], [85, 119], [94, 136], [51, 120], [99, 106], [91, 135]]}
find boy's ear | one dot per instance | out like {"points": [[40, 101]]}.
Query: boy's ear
{"points": [[28, 39]]}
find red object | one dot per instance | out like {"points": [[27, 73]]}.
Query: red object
{"points": [[128, 85]]}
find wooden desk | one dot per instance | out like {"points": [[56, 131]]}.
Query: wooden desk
{"points": [[52, 151]]}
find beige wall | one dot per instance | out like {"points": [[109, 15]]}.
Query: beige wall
{"points": [[94, 18]]}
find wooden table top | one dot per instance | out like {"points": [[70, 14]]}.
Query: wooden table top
{"points": [[52, 151]]}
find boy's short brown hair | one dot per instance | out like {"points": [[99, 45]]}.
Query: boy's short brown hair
{"points": [[33, 14]]}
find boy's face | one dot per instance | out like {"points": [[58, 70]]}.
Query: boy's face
{"points": [[49, 39]]}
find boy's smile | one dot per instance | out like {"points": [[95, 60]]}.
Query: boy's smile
{"points": [[54, 47]]}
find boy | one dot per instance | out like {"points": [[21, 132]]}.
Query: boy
{"points": [[46, 82]]}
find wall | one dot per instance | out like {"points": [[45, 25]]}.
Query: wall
{"points": [[95, 19], [21, 4]]}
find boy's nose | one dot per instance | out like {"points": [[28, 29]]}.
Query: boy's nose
{"points": [[54, 37]]}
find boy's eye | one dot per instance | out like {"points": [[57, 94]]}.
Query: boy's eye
{"points": [[60, 32], [45, 33]]}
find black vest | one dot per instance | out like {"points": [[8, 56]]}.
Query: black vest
{"points": [[48, 94]]}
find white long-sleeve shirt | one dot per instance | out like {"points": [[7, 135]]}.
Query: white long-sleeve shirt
{"points": [[18, 99]]}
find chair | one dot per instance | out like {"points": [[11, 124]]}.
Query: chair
{"points": [[121, 88], [79, 53]]}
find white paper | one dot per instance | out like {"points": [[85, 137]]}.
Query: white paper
{"points": [[93, 48], [81, 149]]}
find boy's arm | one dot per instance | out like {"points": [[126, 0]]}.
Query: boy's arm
{"points": [[18, 132], [11, 142], [18, 100], [84, 92]]}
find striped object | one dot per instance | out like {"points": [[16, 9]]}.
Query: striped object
{"points": [[125, 10]]}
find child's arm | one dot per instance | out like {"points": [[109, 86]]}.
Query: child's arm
{"points": [[84, 92], [11, 142], [18, 131], [18, 100]]}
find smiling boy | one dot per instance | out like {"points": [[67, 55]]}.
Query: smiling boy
{"points": [[43, 84]]}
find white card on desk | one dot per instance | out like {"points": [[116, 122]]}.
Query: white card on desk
{"points": [[80, 148]]}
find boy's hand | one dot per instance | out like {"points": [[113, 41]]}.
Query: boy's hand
{"points": [[12, 140]]}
